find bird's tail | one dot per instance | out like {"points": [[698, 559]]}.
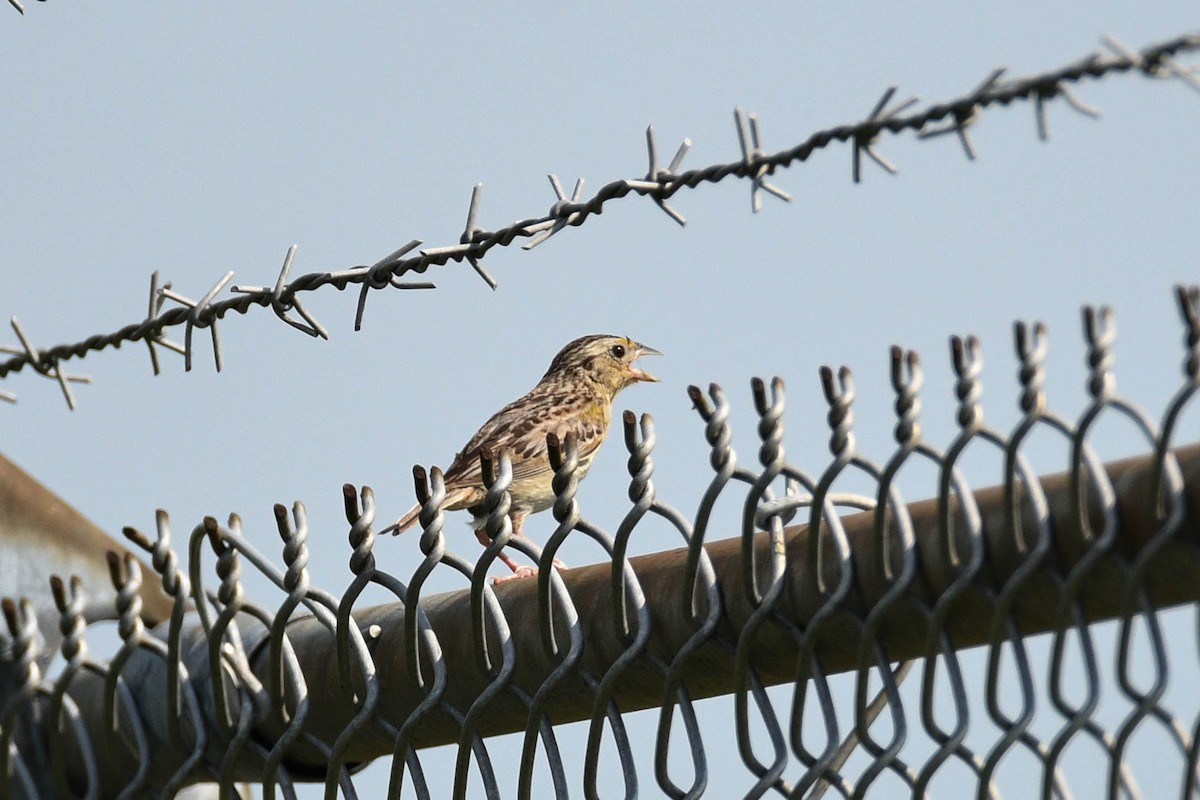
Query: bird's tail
{"points": [[404, 523], [462, 497]]}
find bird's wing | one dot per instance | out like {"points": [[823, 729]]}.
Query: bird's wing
{"points": [[520, 429], [529, 455]]}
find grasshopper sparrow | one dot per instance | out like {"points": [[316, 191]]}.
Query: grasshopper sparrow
{"points": [[574, 396]]}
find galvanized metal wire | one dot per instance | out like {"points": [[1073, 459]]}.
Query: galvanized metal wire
{"points": [[232, 690], [660, 184]]}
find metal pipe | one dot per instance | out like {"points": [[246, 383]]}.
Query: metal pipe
{"points": [[42, 535]]}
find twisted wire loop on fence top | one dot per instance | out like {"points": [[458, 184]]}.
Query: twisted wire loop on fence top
{"points": [[659, 184], [232, 691]]}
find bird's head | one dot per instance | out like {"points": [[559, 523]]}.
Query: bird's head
{"points": [[606, 360]]}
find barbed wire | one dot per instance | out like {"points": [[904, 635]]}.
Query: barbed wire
{"points": [[659, 184], [310, 689]]}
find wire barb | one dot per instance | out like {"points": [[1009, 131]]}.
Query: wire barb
{"points": [[383, 273], [1161, 65], [473, 233], [154, 335], [659, 178], [1047, 92], [864, 141], [753, 157], [562, 213], [43, 364], [966, 114], [201, 314], [282, 300]]}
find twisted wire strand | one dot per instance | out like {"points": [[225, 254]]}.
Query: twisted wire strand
{"points": [[419, 636], [431, 493], [553, 598], [906, 382], [1031, 345], [234, 686], [747, 683], [1088, 480], [564, 460], [127, 580], [953, 489], [70, 600], [967, 360], [1024, 496], [640, 440], [24, 649], [1100, 332], [888, 501], [702, 610], [234, 609], [824, 523], [625, 591], [166, 563], [294, 534], [497, 477], [1188, 300]]}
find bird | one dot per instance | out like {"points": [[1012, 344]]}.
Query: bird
{"points": [[575, 396]]}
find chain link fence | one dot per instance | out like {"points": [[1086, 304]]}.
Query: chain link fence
{"points": [[230, 690]]}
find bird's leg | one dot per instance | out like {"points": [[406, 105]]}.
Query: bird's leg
{"points": [[518, 520], [484, 540], [516, 531], [519, 570]]}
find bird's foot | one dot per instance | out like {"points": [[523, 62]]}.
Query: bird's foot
{"points": [[524, 571], [518, 572]]}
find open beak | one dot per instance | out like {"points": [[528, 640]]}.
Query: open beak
{"points": [[641, 374]]}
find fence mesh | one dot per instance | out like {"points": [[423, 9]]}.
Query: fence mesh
{"points": [[869, 585]]}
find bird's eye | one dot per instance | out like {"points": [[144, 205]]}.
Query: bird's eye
{"points": [[618, 350]]}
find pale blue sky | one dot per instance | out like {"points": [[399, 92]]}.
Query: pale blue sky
{"points": [[199, 139]]}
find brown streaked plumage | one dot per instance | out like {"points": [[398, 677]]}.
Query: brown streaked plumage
{"points": [[574, 396]]}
